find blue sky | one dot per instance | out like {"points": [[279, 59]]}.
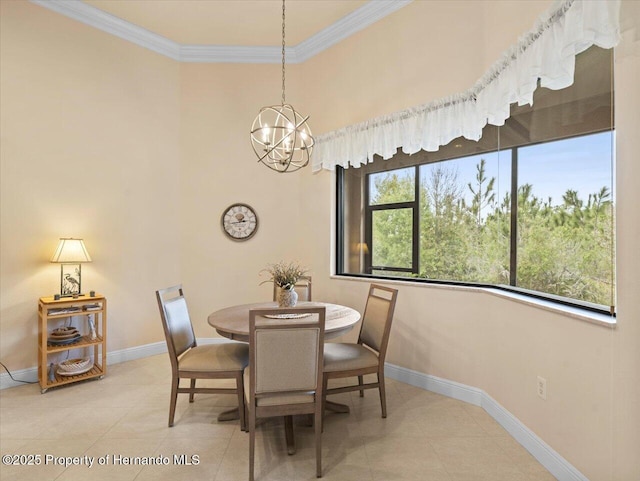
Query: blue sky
{"points": [[580, 163]]}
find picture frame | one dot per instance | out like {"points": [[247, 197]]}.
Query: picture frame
{"points": [[70, 280]]}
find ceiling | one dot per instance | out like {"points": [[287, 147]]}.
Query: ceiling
{"points": [[230, 22]]}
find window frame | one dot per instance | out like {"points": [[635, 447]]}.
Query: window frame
{"points": [[513, 238], [368, 224]]}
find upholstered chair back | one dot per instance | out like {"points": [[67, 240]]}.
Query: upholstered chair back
{"points": [[378, 314], [286, 359], [178, 325], [286, 353]]}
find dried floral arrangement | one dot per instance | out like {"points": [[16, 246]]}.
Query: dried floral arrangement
{"points": [[284, 274]]}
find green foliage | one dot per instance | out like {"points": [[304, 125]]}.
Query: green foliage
{"points": [[566, 250], [563, 249], [483, 195], [393, 229]]}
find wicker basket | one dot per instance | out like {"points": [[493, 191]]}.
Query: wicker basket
{"points": [[74, 365]]}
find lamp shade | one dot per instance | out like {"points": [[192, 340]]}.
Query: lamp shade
{"points": [[362, 247], [71, 250]]}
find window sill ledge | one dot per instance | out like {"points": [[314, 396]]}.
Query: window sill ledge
{"points": [[569, 311]]}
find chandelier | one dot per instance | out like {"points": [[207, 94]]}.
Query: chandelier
{"points": [[280, 136]]}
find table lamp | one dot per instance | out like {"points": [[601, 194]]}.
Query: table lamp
{"points": [[362, 248], [70, 253]]}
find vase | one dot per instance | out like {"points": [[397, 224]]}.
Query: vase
{"points": [[287, 298]]}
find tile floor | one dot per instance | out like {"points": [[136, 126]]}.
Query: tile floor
{"points": [[426, 436]]}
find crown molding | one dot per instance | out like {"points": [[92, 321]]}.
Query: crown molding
{"points": [[357, 20], [235, 54], [113, 25]]}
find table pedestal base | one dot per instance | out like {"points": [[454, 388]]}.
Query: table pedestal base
{"points": [[337, 407], [233, 414], [230, 415]]}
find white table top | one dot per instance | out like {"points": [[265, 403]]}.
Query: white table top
{"points": [[233, 322]]}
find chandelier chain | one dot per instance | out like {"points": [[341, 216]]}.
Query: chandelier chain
{"points": [[283, 49]]}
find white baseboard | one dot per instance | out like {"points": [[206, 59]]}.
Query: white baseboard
{"points": [[114, 357], [556, 464], [550, 459], [29, 375]]}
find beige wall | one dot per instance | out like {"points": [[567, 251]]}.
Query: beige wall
{"points": [[219, 168], [625, 369], [154, 151], [592, 414], [90, 149]]}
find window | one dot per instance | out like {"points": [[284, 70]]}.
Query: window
{"points": [[392, 219], [529, 206], [565, 219]]}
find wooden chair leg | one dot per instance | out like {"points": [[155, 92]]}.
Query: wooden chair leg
{"points": [[252, 441], [174, 399], [191, 394], [241, 407], [325, 383], [383, 394], [318, 432], [288, 431], [360, 383]]}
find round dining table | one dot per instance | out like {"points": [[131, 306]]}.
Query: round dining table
{"points": [[233, 323]]}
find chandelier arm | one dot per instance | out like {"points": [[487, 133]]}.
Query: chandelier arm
{"points": [[277, 144], [273, 147], [301, 122]]}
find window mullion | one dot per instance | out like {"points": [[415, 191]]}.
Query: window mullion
{"points": [[513, 236], [340, 267], [415, 257], [368, 228]]}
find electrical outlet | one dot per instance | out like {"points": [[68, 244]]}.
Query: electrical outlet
{"points": [[542, 388]]}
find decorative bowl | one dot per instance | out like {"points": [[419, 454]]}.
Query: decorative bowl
{"points": [[74, 365], [63, 333]]}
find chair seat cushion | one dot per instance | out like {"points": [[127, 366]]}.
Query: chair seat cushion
{"points": [[215, 357], [277, 398], [339, 356]]}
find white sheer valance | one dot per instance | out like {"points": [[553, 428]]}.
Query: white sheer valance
{"points": [[546, 53]]}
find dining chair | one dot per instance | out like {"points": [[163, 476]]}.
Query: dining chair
{"points": [[190, 361], [302, 287], [284, 377], [367, 356]]}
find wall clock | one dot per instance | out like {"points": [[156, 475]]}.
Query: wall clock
{"points": [[239, 222]]}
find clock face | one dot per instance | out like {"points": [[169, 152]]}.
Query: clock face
{"points": [[239, 222]]}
